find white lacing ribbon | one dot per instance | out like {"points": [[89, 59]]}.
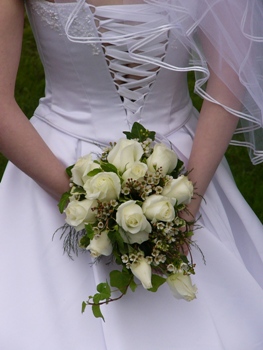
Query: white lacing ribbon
{"points": [[117, 31]]}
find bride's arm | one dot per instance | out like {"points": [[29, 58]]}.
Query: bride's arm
{"points": [[19, 141], [214, 131]]}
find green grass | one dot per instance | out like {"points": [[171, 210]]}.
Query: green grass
{"points": [[30, 87]]}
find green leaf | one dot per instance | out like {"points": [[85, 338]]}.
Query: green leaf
{"points": [[94, 172], [120, 280], [104, 290], [157, 281], [68, 170], [78, 190], [89, 230], [84, 242], [63, 201], [177, 171], [97, 312], [139, 132], [116, 239], [133, 285], [83, 307], [100, 297], [109, 168]]}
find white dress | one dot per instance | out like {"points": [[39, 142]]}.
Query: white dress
{"points": [[42, 289]]}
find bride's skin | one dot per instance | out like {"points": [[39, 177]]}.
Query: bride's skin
{"points": [[20, 143]]}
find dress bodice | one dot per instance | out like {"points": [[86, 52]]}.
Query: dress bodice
{"points": [[95, 87]]}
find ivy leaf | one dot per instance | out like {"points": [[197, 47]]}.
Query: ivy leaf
{"points": [[120, 280], [97, 298], [97, 312], [104, 290], [63, 201], [157, 281], [139, 132]]}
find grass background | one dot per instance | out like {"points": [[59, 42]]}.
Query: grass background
{"points": [[30, 87]]}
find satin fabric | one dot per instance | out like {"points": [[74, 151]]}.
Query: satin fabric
{"points": [[222, 36], [42, 289]]}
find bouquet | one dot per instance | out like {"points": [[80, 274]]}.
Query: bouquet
{"points": [[127, 204]]}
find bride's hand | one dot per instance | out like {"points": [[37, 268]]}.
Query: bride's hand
{"points": [[189, 215]]}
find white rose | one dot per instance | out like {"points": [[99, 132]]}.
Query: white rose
{"points": [[81, 168], [157, 207], [80, 212], [135, 171], [103, 186], [132, 221], [142, 270], [181, 189], [100, 245], [125, 153], [181, 286], [163, 157]]}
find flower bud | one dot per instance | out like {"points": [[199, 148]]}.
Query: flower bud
{"points": [[78, 213], [125, 153], [163, 157], [157, 207], [142, 270], [134, 227], [180, 189], [100, 245], [181, 286]]}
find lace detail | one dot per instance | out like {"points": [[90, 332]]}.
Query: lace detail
{"points": [[82, 25]]}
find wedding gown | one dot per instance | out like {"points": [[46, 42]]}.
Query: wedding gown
{"points": [[89, 101]]}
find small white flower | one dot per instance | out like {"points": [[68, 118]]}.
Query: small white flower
{"points": [[160, 226], [132, 257], [171, 268], [140, 255], [149, 259], [124, 258], [125, 191]]}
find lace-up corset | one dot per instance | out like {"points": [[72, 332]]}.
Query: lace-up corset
{"points": [[107, 51], [131, 78]]}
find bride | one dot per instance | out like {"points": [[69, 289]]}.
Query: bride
{"points": [[108, 64]]}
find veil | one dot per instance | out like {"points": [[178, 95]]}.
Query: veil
{"points": [[223, 37]]}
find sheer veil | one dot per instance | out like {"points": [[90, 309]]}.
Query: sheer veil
{"points": [[222, 36]]}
